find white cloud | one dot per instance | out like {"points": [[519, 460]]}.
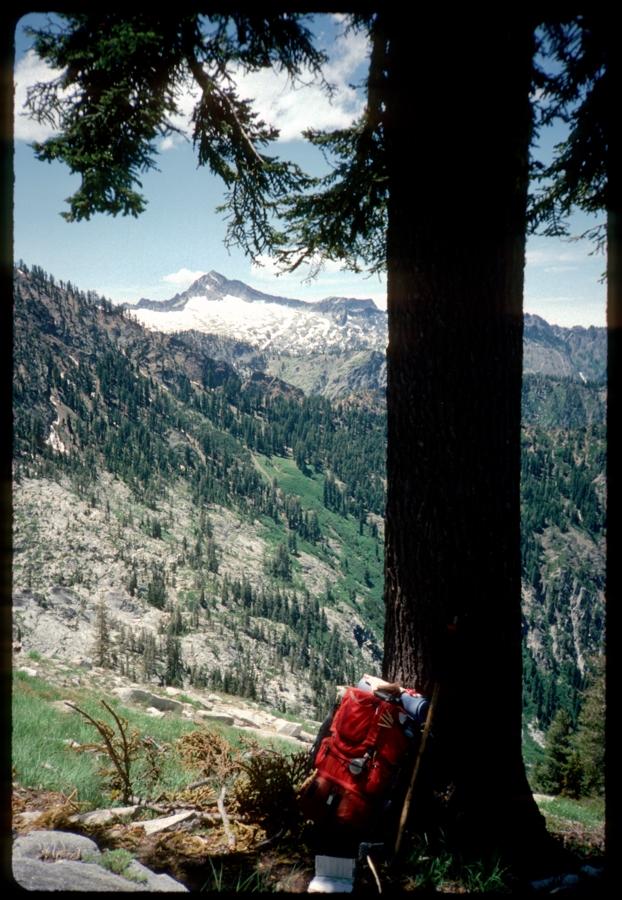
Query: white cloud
{"points": [[182, 277], [349, 52], [562, 268], [186, 101], [168, 143], [554, 258], [28, 71], [264, 267], [293, 107]]}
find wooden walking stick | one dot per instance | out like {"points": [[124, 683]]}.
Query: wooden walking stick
{"points": [[416, 767]]}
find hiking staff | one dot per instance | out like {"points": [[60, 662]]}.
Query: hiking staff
{"points": [[416, 767]]}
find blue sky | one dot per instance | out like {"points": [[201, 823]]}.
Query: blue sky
{"points": [[181, 236]]}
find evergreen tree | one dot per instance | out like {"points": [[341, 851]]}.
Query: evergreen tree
{"points": [[173, 673], [176, 623], [101, 648], [589, 740], [560, 772], [292, 544], [280, 563], [156, 588], [211, 556]]}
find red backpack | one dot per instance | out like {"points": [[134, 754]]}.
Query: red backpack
{"points": [[359, 760]]}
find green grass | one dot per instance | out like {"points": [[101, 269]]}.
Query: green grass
{"points": [[358, 551], [43, 759], [184, 698], [119, 862], [429, 871], [484, 878], [220, 880], [310, 489], [588, 811], [437, 869]]}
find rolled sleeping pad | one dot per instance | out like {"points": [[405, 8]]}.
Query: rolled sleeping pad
{"points": [[416, 706]]}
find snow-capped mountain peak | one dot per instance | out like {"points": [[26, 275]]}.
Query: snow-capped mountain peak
{"points": [[214, 304]]}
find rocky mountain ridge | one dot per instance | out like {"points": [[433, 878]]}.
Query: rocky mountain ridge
{"points": [[336, 346], [214, 286]]}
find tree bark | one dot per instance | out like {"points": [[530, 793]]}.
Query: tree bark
{"points": [[614, 383], [458, 126]]}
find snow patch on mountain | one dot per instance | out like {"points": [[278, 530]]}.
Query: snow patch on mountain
{"points": [[215, 305], [54, 441]]}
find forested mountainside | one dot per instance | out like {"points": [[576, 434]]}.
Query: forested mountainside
{"points": [[189, 521]]}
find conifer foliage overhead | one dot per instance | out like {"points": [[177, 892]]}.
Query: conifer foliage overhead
{"points": [[122, 80]]}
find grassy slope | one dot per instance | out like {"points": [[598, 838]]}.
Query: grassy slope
{"points": [[43, 759], [357, 551]]}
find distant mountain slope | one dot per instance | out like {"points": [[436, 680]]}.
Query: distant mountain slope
{"points": [[233, 518], [336, 346], [231, 525], [579, 353]]}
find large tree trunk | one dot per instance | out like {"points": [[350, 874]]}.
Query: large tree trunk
{"points": [[458, 129], [609, 36]]}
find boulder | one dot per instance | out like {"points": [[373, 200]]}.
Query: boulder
{"points": [[249, 719], [63, 594], [152, 882], [556, 884], [54, 845], [83, 662], [290, 729], [68, 875], [165, 704], [33, 673], [62, 861], [105, 816], [266, 733], [206, 704], [138, 695], [133, 695], [206, 716]]}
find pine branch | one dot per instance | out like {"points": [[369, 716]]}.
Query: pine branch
{"points": [[209, 89]]}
